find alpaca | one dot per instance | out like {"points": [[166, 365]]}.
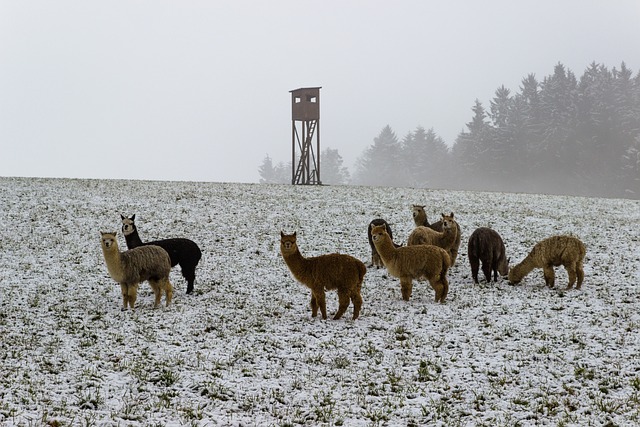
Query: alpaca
{"points": [[553, 251], [181, 251], [413, 262], [132, 267], [420, 219], [375, 257], [341, 272], [446, 239], [487, 246]]}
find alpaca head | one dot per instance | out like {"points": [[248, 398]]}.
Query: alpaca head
{"points": [[503, 267], [108, 240], [128, 224], [448, 223], [288, 243], [377, 232], [418, 211]]}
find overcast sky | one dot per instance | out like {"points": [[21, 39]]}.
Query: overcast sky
{"points": [[199, 90]]}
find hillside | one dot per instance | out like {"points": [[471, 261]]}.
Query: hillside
{"points": [[243, 350]]}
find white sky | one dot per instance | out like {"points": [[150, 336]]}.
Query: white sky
{"points": [[199, 90]]}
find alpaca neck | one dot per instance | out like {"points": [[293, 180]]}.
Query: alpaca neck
{"points": [[113, 261], [519, 271], [421, 220], [296, 262], [133, 239], [385, 247], [449, 235]]}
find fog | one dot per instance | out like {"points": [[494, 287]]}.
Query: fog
{"points": [[199, 91]]}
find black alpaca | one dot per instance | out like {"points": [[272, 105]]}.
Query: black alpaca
{"points": [[181, 251]]}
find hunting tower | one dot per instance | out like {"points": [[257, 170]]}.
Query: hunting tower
{"points": [[305, 112]]}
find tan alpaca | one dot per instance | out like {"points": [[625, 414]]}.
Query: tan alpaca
{"points": [[553, 251], [445, 239], [339, 272], [132, 267], [420, 219], [413, 262]]}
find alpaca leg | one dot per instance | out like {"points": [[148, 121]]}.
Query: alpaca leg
{"points": [[406, 287], [132, 293], [445, 288], [439, 289], [343, 304], [314, 305], [494, 270], [376, 261], [125, 296], [356, 299], [580, 274], [322, 304], [486, 270], [475, 266], [454, 254], [549, 276], [168, 290], [189, 273], [155, 286]]}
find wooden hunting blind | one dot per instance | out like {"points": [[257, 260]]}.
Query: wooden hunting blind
{"points": [[305, 112]]}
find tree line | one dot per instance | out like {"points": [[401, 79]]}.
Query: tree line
{"points": [[560, 135]]}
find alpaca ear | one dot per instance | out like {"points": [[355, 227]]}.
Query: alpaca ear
{"points": [[133, 217], [451, 215], [281, 233], [443, 215], [121, 216]]}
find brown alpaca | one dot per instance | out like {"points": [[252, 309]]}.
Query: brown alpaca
{"points": [[420, 219], [339, 272], [446, 239], [132, 267], [413, 262], [553, 251], [375, 258], [486, 246]]}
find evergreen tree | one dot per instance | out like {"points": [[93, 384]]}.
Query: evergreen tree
{"points": [[468, 150], [379, 164], [270, 174], [267, 171], [558, 106], [333, 171]]}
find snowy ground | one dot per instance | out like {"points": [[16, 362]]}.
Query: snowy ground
{"points": [[243, 350]]}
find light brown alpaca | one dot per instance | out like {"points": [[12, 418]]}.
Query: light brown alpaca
{"points": [[445, 239], [553, 251], [132, 267], [339, 272], [420, 219], [413, 262]]}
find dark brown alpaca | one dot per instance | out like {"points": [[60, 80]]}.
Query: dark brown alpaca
{"points": [[486, 246], [339, 272]]}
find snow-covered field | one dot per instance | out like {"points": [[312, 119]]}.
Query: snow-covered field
{"points": [[243, 350]]}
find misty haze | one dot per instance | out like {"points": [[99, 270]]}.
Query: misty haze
{"points": [[557, 135]]}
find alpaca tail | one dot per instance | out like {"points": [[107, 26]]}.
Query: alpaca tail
{"points": [[362, 270]]}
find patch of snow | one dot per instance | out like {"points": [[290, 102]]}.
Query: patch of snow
{"points": [[244, 350]]}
